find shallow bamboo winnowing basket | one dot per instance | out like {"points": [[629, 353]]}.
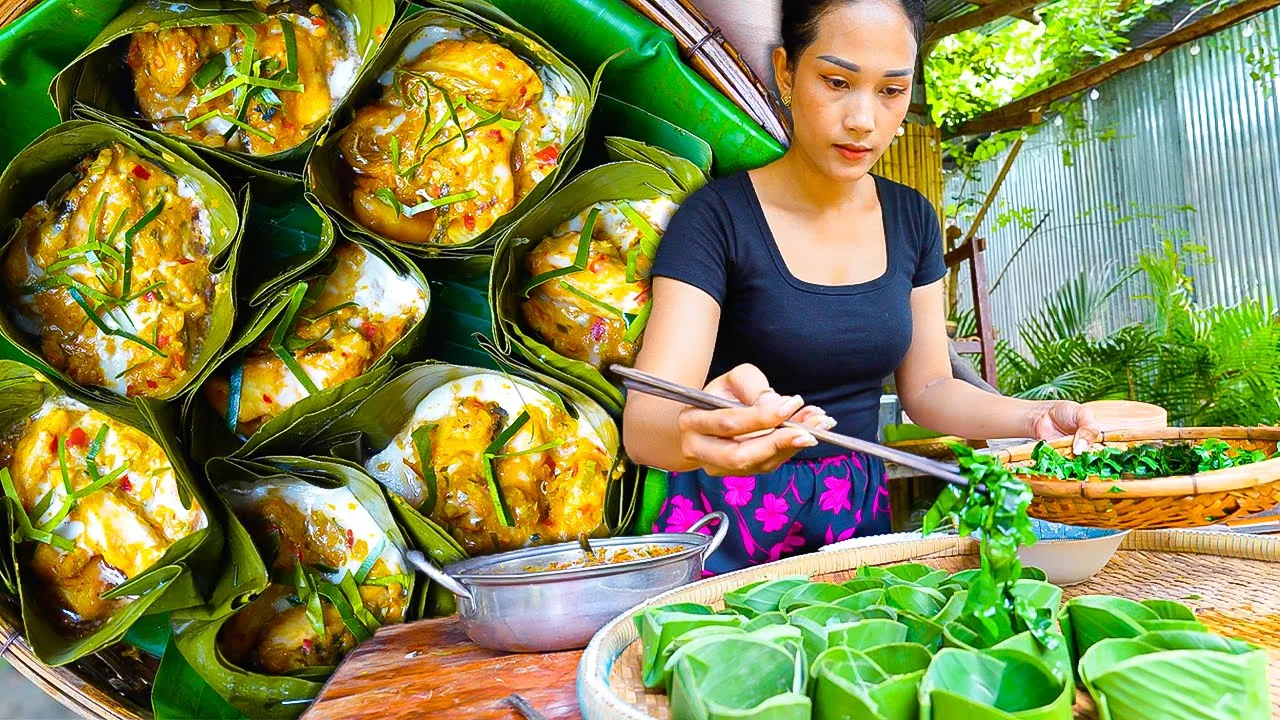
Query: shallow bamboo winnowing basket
{"points": [[1183, 501]]}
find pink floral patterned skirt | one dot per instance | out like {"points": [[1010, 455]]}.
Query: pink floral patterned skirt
{"points": [[798, 508]]}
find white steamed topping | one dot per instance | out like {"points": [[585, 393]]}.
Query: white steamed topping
{"points": [[338, 504], [384, 293], [420, 44]]}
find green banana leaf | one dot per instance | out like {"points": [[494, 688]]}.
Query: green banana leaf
{"points": [[867, 634], [739, 677], [207, 432], [992, 685], [645, 173], [97, 83], [761, 597], [818, 621], [1089, 619], [765, 620], [900, 658], [616, 118], [384, 413], [651, 73], [811, 594], [165, 585], [179, 693], [325, 171], [966, 632], [286, 234], [1177, 675], [44, 165], [862, 599], [859, 584], [848, 683], [660, 626], [905, 573], [257, 694]]}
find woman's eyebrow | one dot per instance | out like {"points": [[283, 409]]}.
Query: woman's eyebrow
{"points": [[853, 67]]}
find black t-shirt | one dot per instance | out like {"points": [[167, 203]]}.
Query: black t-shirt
{"points": [[831, 344]]}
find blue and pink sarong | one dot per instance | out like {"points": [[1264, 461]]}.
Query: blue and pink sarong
{"points": [[798, 508]]}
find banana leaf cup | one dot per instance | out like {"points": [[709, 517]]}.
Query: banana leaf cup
{"points": [[708, 680], [191, 71], [106, 522], [119, 260], [529, 460], [847, 682], [321, 562], [425, 157], [1177, 675], [320, 348], [993, 685], [285, 236], [569, 309]]}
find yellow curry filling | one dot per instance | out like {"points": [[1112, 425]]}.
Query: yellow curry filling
{"points": [[597, 313], [113, 276], [359, 311], [464, 130], [506, 467], [258, 89], [102, 502], [336, 578]]}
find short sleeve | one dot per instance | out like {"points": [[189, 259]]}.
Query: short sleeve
{"points": [[696, 246], [930, 265]]}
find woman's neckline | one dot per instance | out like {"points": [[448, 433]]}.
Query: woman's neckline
{"points": [[771, 242]]}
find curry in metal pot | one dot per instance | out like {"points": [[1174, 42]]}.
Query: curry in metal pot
{"points": [[113, 275], [464, 129], [258, 89], [100, 505]]}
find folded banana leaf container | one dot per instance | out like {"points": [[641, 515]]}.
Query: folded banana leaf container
{"points": [[106, 79], [574, 323], [83, 75]]}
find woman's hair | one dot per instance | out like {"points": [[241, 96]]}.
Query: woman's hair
{"points": [[800, 19]]}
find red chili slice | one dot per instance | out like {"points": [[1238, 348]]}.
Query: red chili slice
{"points": [[162, 342], [267, 399], [141, 172], [469, 221], [368, 330], [351, 538], [307, 645], [125, 484], [597, 330], [548, 154], [152, 384], [77, 438], [185, 261], [149, 297], [496, 134]]}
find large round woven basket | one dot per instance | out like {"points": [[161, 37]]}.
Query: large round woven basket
{"points": [[1226, 578], [1182, 501]]}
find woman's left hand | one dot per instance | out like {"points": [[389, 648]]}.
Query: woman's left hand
{"points": [[1056, 418]]}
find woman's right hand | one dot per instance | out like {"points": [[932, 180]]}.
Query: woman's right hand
{"points": [[747, 441]]}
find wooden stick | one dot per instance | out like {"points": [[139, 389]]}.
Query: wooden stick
{"points": [[976, 19], [995, 189], [1016, 114]]}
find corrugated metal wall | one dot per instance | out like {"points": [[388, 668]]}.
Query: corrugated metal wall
{"points": [[1192, 128]]}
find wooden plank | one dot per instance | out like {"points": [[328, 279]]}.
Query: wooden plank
{"points": [[967, 347], [982, 311], [430, 669], [1017, 114], [986, 13]]}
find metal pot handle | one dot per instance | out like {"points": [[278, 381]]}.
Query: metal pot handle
{"points": [[721, 531], [422, 563]]}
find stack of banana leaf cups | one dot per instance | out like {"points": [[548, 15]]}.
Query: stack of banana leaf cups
{"points": [[230, 416]]}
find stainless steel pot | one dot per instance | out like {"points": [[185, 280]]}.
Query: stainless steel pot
{"points": [[505, 604]]}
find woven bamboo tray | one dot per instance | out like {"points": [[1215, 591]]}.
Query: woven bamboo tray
{"points": [[1228, 579], [1183, 501]]}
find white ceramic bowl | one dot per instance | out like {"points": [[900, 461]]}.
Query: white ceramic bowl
{"points": [[1069, 555]]}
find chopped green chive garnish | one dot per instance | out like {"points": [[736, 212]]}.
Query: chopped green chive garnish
{"points": [[580, 258]]}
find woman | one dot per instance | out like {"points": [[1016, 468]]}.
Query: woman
{"points": [[811, 280]]}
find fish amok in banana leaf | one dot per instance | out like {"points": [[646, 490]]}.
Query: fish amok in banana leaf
{"points": [[326, 567], [101, 509], [119, 274], [498, 461], [362, 308], [252, 82], [572, 308], [461, 124]]}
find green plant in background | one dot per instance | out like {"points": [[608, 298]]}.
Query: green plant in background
{"points": [[1207, 365]]}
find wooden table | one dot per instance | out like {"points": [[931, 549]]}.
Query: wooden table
{"points": [[448, 676]]}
